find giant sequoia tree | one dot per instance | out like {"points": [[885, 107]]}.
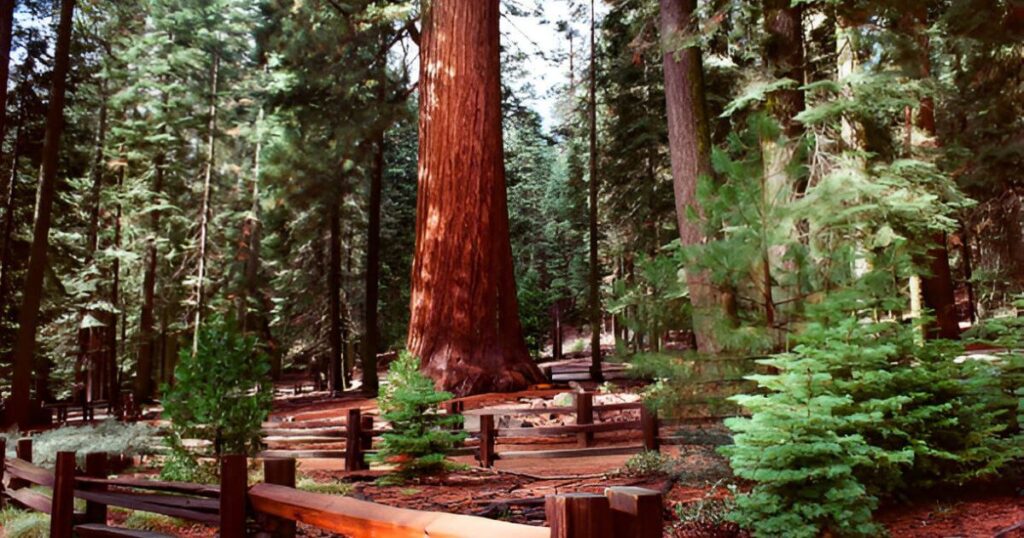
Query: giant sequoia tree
{"points": [[465, 317]]}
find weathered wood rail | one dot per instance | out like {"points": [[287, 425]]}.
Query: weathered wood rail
{"points": [[358, 433], [274, 507]]}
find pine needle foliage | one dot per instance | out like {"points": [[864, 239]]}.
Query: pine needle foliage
{"points": [[221, 394], [859, 411], [421, 436]]}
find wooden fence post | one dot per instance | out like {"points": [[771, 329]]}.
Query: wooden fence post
{"points": [[584, 415], [579, 515], [635, 512], [3, 468], [234, 486], [62, 511], [23, 451], [366, 443], [649, 423], [487, 435], [280, 472], [353, 441], [96, 467]]}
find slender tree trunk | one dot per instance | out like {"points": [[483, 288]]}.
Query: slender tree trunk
{"points": [[595, 271], [6, 31], [690, 151], [115, 300], [6, 252], [968, 261], [91, 341], [937, 286], [465, 316], [370, 342], [204, 217], [97, 177], [28, 318], [784, 56], [335, 366], [147, 338]]}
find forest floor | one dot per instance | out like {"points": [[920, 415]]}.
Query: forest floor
{"points": [[695, 496], [514, 490]]}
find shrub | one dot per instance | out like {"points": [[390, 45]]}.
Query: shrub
{"points": [[648, 462], [145, 521], [857, 411], [21, 524], [111, 436], [221, 394], [420, 435]]}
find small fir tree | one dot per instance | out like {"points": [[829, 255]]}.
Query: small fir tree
{"points": [[222, 393], [420, 436]]}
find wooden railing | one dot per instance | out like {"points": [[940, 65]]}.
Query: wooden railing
{"points": [[273, 507], [359, 432]]}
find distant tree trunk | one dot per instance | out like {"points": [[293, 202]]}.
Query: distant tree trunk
{"points": [[110, 364], [147, 337], [690, 151], [465, 316], [92, 339], [968, 266], [784, 56], [6, 31], [370, 343], [595, 271], [937, 287], [204, 216], [6, 252], [24, 351], [335, 366]]}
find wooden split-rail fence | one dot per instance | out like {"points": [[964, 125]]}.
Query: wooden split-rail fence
{"points": [[274, 507], [359, 432]]}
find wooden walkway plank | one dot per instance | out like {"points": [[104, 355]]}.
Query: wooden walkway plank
{"points": [[571, 452]]}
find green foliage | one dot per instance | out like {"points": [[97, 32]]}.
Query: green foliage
{"points": [[334, 487], [145, 521], [21, 524], [654, 301], [860, 410], [222, 394], [420, 435], [111, 436], [647, 463]]}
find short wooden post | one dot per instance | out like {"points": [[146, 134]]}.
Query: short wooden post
{"points": [[3, 468], [62, 509], [96, 467], [584, 416], [487, 435], [635, 512], [234, 486], [366, 429], [280, 472], [353, 441], [579, 515], [649, 423], [23, 451]]}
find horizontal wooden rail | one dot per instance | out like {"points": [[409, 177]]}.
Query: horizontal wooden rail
{"points": [[201, 490], [570, 452], [568, 429], [30, 473], [142, 503], [362, 519]]}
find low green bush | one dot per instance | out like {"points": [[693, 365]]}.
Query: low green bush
{"points": [[111, 436], [860, 411], [20, 524], [420, 436]]}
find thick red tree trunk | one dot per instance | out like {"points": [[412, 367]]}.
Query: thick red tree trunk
{"points": [[28, 318], [465, 317]]}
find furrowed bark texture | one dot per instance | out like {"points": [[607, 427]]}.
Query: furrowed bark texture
{"points": [[690, 151], [24, 349], [465, 317]]}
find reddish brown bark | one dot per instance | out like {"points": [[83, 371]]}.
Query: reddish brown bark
{"points": [[6, 28], [690, 151], [465, 317], [596, 372], [937, 287], [28, 318]]}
